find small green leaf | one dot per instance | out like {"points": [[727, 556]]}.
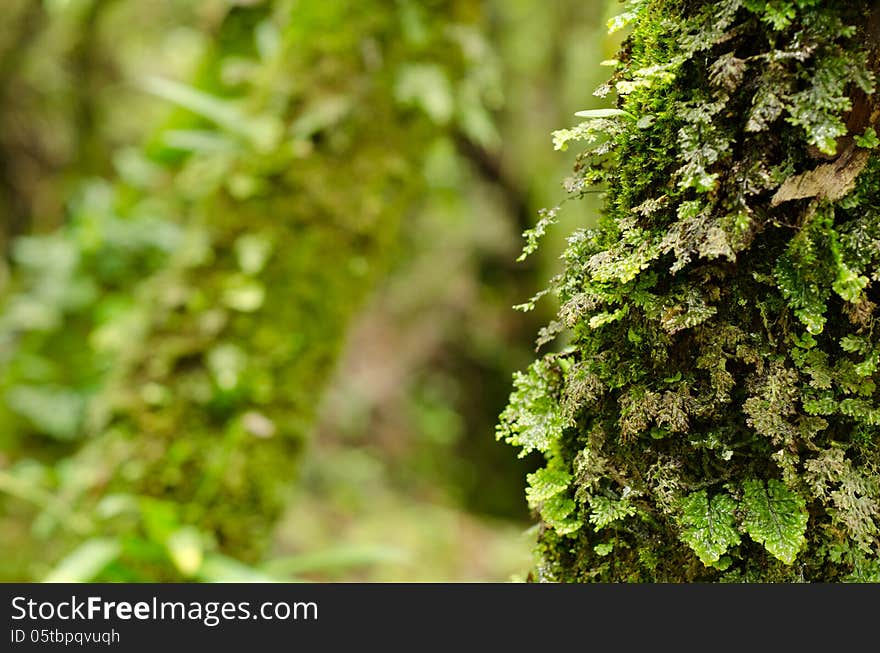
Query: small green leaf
{"points": [[606, 511], [618, 22], [709, 525], [775, 517], [547, 494], [557, 513], [848, 284], [868, 140], [544, 484], [601, 319], [603, 549], [533, 420]]}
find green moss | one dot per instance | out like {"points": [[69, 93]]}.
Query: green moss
{"points": [[719, 388]]}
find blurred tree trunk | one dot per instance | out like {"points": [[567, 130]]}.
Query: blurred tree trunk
{"points": [[289, 164], [24, 21], [53, 68]]}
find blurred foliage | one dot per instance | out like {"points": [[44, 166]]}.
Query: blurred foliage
{"points": [[192, 218]]}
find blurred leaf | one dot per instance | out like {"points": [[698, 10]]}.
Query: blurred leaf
{"points": [[54, 411], [268, 39], [475, 119], [252, 251], [341, 558], [223, 112], [114, 505], [244, 296], [159, 518], [136, 169], [40, 253], [320, 114], [261, 131], [226, 362], [25, 483], [221, 569], [186, 550], [426, 86], [85, 562], [198, 140]]}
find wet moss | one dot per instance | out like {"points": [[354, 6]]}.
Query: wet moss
{"points": [[714, 414]]}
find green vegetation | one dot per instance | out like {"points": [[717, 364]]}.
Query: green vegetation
{"points": [[169, 344], [256, 270], [714, 414], [258, 258]]}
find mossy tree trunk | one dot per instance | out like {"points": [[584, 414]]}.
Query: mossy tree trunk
{"points": [[715, 415]]}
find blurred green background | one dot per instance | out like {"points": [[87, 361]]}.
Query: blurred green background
{"points": [[257, 270]]}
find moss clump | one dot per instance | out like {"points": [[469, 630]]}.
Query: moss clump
{"points": [[715, 415]]}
